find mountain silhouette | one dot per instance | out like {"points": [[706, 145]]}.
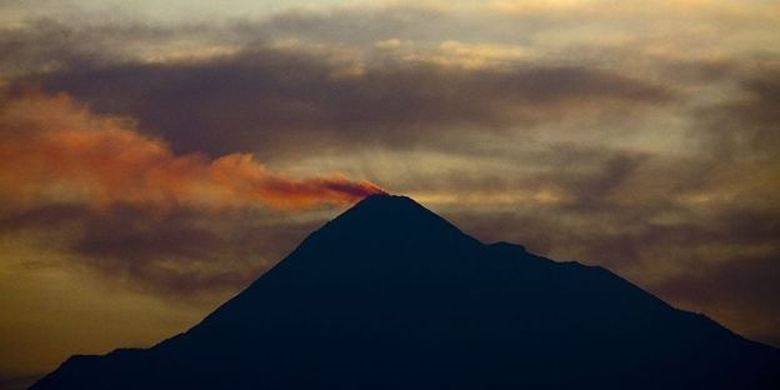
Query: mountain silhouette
{"points": [[391, 296]]}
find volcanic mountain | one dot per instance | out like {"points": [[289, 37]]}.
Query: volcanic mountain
{"points": [[391, 296]]}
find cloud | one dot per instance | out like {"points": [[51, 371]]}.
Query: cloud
{"points": [[267, 99], [186, 254], [47, 45], [56, 151], [742, 293], [748, 124]]}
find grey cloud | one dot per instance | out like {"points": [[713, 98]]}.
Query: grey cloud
{"points": [[266, 99], [186, 254], [45, 45], [746, 126], [182, 253]]}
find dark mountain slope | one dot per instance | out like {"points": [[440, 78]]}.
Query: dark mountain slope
{"points": [[389, 295]]}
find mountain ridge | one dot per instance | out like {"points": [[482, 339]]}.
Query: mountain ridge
{"points": [[390, 295]]}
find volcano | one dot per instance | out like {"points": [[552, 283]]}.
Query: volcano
{"points": [[389, 295]]}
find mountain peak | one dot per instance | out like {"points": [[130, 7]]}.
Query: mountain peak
{"points": [[387, 202], [386, 216], [386, 207]]}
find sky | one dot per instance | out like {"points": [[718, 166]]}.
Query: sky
{"points": [[156, 157]]}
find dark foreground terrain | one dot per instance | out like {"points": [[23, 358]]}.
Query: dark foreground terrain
{"points": [[391, 296]]}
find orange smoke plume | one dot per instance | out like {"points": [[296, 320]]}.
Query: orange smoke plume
{"points": [[54, 150]]}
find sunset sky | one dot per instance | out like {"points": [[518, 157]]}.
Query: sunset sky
{"points": [[157, 156]]}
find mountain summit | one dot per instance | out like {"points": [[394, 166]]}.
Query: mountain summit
{"points": [[391, 296]]}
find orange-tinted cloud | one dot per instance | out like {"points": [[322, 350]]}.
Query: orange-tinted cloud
{"points": [[57, 151]]}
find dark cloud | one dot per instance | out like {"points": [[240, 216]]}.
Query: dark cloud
{"points": [[748, 125], [185, 253], [182, 253], [49, 215], [268, 99], [701, 72], [745, 285], [593, 191]]}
